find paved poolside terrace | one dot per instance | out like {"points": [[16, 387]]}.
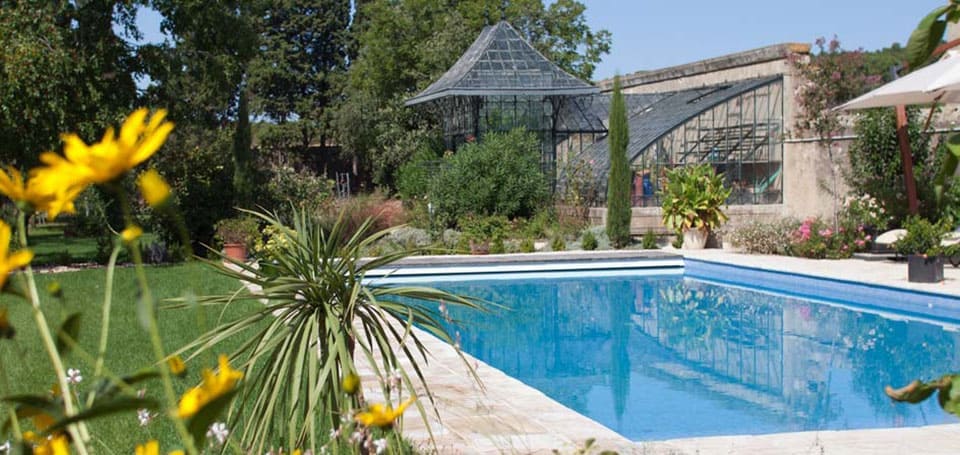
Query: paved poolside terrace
{"points": [[505, 416]]}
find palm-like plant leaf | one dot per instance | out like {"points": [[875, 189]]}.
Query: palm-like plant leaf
{"points": [[317, 313]]}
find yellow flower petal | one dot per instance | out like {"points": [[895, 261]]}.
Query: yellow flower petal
{"points": [[154, 188], [131, 233], [176, 365], [213, 386], [10, 262], [380, 415], [152, 447]]}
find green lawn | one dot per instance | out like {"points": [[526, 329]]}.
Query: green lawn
{"points": [[51, 247], [26, 369]]}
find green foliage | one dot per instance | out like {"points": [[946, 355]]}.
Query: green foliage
{"points": [[558, 243], [692, 198], [243, 171], [400, 47], [414, 177], [315, 289], [301, 59], [499, 176], [929, 33], [923, 237], [578, 182], [64, 66], [829, 78], [649, 240], [589, 242], [618, 182], [677, 242], [876, 167], [765, 237], [918, 391], [243, 229], [817, 239], [484, 228], [527, 246]]}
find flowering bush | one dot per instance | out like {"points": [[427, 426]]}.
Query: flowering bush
{"points": [[865, 211], [816, 239], [765, 237]]}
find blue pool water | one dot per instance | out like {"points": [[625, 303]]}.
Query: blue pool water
{"points": [[661, 357]]}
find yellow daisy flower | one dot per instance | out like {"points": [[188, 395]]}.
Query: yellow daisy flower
{"points": [[131, 233], [110, 158], [154, 188], [45, 198], [10, 262], [213, 386], [152, 447], [380, 415], [176, 365]]}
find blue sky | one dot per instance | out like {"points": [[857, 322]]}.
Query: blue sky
{"points": [[650, 34]]}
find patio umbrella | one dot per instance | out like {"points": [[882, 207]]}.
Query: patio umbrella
{"points": [[936, 83]]}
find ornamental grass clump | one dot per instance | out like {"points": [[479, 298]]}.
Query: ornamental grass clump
{"points": [[316, 312]]}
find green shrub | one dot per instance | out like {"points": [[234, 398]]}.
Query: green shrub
{"points": [[242, 229], [589, 242], [677, 241], [499, 176], [414, 177], [558, 244], [759, 237], [497, 246], [923, 237], [527, 246], [540, 225], [817, 240], [693, 197], [649, 240], [484, 228]]}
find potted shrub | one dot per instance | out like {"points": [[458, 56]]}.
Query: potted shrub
{"points": [[692, 200], [236, 235], [923, 248]]}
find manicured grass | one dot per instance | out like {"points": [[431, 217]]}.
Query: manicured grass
{"points": [[25, 368], [51, 247]]}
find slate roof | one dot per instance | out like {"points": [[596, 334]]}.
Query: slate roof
{"points": [[501, 62], [655, 115]]}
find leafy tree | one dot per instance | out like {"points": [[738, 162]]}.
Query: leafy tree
{"points": [[618, 182], [62, 68], [302, 56]]}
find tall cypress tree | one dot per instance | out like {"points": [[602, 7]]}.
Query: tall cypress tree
{"points": [[618, 182]]}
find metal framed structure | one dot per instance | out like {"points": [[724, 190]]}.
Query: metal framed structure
{"points": [[502, 82], [736, 127]]}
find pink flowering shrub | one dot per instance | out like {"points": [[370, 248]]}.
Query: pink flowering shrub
{"points": [[817, 239]]}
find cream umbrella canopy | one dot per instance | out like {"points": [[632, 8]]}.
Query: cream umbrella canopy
{"points": [[936, 83]]}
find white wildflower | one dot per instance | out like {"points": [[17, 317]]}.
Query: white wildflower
{"points": [[380, 445], [219, 432], [356, 437], [334, 434], [5, 448], [144, 417], [74, 376]]}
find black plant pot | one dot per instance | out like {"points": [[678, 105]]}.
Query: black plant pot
{"points": [[924, 269]]}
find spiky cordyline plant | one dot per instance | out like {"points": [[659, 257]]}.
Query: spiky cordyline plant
{"points": [[317, 313]]}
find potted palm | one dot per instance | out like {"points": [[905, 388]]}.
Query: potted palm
{"points": [[236, 236], [923, 249], [692, 200]]}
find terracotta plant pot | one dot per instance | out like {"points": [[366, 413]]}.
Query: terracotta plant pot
{"points": [[235, 251]]}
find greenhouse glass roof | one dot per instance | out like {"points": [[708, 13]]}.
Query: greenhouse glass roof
{"points": [[651, 116], [501, 62]]}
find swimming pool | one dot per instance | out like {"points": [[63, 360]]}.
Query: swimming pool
{"points": [[661, 356]]}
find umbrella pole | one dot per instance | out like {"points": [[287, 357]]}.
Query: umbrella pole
{"points": [[907, 158]]}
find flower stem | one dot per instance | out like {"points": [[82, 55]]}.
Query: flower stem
{"points": [[105, 317], [147, 301], [75, 430]]}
